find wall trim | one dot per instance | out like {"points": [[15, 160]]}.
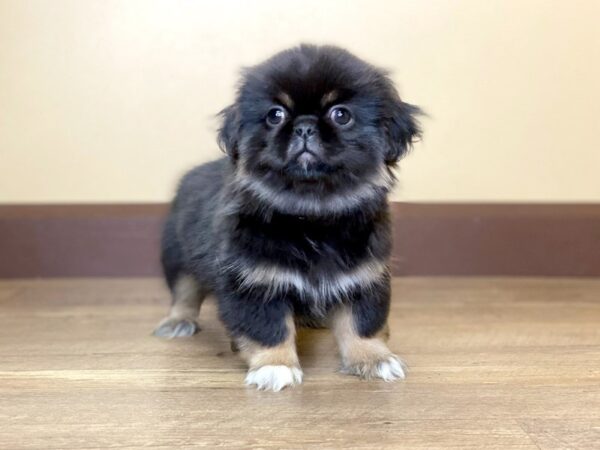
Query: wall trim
{"points": [[430, 239], [497, 239]]}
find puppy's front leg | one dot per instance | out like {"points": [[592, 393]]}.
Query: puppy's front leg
{"points": [[272, 367], [265, 335], [365, 356]]}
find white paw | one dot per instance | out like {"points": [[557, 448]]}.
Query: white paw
{"points": [[390, 368], [273, 378]]}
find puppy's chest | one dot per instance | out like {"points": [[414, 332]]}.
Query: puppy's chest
{"points": [[298, 243], [313, 260]]}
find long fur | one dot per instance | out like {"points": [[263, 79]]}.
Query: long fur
{"points": [[270, 236]]}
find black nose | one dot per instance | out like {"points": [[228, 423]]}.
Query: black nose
{"points": [[305, 127]]}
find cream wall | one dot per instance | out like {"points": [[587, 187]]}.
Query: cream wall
{"points": [[110, 101]]}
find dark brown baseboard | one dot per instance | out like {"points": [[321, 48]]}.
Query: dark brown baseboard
{"points": [[497, 239], [80, 240], [430, 239]]}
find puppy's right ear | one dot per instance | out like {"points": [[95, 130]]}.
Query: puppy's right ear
{"points": [[228, 137]]}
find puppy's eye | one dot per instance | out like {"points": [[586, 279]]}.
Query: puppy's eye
{"points": [[276, 116], [340, 116]]}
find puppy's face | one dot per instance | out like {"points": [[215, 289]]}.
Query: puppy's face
{"points": [[314, 130]]}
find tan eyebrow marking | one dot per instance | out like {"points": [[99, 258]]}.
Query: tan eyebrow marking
{"points": [[329, 97], [285, 100]]}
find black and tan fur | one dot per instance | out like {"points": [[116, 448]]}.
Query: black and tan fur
{"points": [[293, 225]]}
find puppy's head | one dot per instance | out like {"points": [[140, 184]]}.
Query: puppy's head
{"points": [[314, 130]]}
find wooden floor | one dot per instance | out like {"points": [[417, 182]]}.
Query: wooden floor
{"points": [[494, 363]]}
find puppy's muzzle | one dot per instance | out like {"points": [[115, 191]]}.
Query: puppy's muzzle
{"points": [[305, 146]]}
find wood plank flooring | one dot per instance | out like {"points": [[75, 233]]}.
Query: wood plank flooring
{"points": [[494, 363]]}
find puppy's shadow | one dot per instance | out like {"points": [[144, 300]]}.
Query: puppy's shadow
{"points": [[315, 346]]}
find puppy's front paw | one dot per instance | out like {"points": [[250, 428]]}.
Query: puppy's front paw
{"points": [[171, 327], [390, 368], [273, 378]]}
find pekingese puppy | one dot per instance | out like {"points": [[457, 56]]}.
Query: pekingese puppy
{"points": [[292, 227]]}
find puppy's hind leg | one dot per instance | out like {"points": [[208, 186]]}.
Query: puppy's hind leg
{"points": [[187, 299]]}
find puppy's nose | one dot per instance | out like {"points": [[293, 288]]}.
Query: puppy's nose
{"points": [[305, 127]]}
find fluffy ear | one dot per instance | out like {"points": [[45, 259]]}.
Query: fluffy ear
{"points": [[402, 128], [228, 137]]}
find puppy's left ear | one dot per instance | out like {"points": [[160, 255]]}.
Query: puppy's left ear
{"points": [[228, 137], [402, 128]]}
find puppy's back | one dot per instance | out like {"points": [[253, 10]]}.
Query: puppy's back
{"points": [[191, 223]]}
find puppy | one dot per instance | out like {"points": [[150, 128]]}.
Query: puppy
{"points": [[292, 227]]}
